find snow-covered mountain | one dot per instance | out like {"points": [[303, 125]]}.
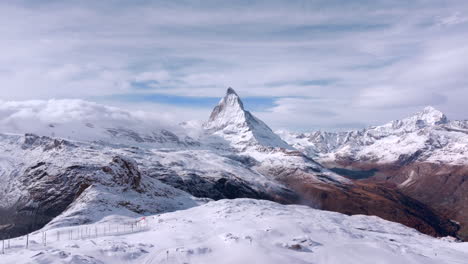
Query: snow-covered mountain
{"points": [[129, 163], [426, 136], [249, 136], [243, 231], [243, 130], [424, 155], [315, 185]]}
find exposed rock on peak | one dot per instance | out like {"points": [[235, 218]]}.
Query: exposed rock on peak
{"points": [[124, 171], [231, 91]]}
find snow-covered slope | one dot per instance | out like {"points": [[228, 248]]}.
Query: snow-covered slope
{"points": [[85, 181], [44, 177], [247, 231]]}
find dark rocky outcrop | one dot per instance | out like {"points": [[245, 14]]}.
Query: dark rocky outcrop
{"points": [[218, 186], [49, 192]]}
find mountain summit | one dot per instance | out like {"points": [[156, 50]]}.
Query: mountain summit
{"points": [[428, 117], [431, 116], [231, 121], [229, 110]]}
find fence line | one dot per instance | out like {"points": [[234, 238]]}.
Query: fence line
{"points": [[81, 232]]}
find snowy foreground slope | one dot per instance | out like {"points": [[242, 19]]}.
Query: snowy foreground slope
{"points": [[250, 231]]}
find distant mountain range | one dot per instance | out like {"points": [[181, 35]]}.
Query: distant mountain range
{"points": [[424, 156], [79, 169]]}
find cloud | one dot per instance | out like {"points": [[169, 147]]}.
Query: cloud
{"points": [[391, 97], [454, 19], [157, 76], [76, 118], [383, 53]]}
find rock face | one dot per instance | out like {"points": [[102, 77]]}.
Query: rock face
{"points": [[124, 172], [424, 156]]}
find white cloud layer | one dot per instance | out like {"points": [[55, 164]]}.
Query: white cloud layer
{"points": [[329, 68], [77, 119]]}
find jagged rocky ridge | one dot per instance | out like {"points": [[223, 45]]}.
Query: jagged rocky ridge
{"points": [[424, 156], [235, 155]]}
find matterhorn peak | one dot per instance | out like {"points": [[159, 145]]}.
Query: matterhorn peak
{"points": [[230, 120], [229, 109]]}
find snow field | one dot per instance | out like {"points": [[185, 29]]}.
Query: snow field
{"points": [[250, 231]]}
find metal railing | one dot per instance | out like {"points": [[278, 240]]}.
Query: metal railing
{"points": [[40, 239]]}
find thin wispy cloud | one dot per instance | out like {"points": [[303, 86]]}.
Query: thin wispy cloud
{"points": [[322, 64]]}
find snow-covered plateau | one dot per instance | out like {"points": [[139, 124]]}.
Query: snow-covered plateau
{"points": [[245, 231]]}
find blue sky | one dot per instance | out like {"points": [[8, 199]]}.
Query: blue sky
{"points": [[301, 65], [255, 103]]}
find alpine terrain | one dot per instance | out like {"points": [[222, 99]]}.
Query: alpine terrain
{"points": [[124, 189], [424, 156]]}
